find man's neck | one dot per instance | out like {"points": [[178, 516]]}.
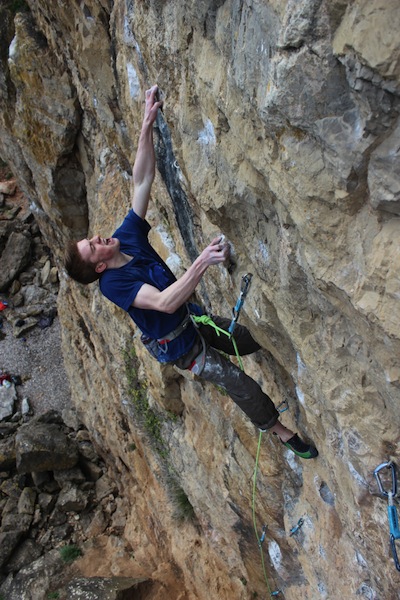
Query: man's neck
{"points": [[119, 261]]}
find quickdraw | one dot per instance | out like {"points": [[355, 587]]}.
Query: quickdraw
{"points": [[296, 528], [392, 510], [246, 280]]}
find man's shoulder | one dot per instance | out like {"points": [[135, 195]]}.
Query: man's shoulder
{"points": [[133, 223]]}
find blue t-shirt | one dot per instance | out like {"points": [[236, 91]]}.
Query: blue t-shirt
{"points": [[122, 285]]}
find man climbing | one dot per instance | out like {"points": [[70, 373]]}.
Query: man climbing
{"points": [[134, 277]]}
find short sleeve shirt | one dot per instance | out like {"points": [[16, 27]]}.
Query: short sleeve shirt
{"points": [[121, 286]]}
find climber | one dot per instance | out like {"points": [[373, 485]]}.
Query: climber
{"points": [[133, 276]]}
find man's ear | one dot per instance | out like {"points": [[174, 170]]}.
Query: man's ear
{"points": [[100, 267]]}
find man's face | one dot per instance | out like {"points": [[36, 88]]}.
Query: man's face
{"points": [[98, 250]]}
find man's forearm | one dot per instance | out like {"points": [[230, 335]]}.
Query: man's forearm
{"points": [[145, 162], [144, 167], [181, 290]]}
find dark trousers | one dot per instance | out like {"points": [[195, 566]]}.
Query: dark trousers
{"points": [[245, 392]]}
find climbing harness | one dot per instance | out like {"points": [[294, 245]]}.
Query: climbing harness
{"points": [[172, 335], [390, 494]]}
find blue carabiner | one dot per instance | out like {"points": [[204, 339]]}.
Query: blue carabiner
{"points": [[246, 280], [296, 528], [391, 509]]}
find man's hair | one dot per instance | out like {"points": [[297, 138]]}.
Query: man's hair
{"points": [[77, 268]]}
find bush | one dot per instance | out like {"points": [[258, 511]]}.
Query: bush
{"points": [[70, 553]]}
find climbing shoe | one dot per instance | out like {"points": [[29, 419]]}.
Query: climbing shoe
{"points": [[300, 448]]}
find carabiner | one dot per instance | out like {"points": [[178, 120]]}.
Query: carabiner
{"points": [[283, 406], [391, 509], [296, 528], [262, 538], [387, 465], [246, 280]]}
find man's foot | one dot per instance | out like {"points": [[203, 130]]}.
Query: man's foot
{"points": [[301, 448]]}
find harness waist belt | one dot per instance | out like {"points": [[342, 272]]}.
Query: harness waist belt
{"points": [[176, 332]]}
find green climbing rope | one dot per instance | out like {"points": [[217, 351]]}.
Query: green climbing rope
{"points": [[206, 320], [253, 508]]}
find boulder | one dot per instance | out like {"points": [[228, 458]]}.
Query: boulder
{"points": [[26, 502], [32, 581], [26, 553], [8, 397], [15, 257], [44, 447], [72, 498], [112, 588], [7, 454], [9, 541]]}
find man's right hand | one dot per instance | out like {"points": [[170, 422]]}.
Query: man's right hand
{"points": [[152, 104], [217, 252]]}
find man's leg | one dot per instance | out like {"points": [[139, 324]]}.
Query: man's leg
{"points": [[245, 392], [248, 395], [243, 338]]}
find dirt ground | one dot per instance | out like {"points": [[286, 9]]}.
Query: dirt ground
{"points": [[36, 357]]}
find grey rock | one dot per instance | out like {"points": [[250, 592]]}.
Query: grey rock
{"points": [[15, 257], [72, 498], [33, 580], [44, 447], [26, 502], [46, 501], [7, 454], [61, 533], [22, 326], [34, 294], [65, 476], [9, 540], [26, 553], [99, 588], [25, 407], [104, 487], [8, 396], [41, 478], [71, 419], [16, 522], [92, 471]]}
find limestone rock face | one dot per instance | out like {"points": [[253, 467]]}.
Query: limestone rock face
{"points": [[280, 130]]}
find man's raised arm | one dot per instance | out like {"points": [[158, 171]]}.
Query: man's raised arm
{"points": [[145, 161]]}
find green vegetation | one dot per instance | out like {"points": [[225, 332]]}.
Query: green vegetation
{"points": [[137, 393], [183, 509], [54, 595], [70, 553], [152, 423]]}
